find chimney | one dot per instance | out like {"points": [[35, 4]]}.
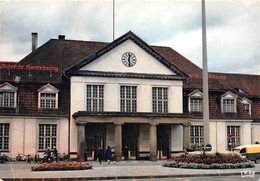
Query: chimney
{"points": [[61, 37], [34, 41]]}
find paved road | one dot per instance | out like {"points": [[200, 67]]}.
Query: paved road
{"points": [[120, 170]]}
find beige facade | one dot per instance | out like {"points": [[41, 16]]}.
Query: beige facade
{"points": [[24, 134]]}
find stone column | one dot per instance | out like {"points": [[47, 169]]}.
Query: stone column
{"points": [[153, 142], [118, 141], [81, 142], [186, 135]]}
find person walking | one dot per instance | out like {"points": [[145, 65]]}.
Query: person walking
{"points": [[126, 150], [108, 153], [99, 154], [48, 155], [55, 153]]}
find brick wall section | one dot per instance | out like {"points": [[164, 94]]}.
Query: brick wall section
{"points": [[27, 103]]}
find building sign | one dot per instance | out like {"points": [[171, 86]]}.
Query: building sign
{"points": [[199, 76], [29, 67]]}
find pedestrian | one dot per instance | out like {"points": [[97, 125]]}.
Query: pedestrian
{"points": [[29, 158], [99, 154], [36, 158], [108, 153], [126, 150], [86, 153], [55, 153], [48, 154]]}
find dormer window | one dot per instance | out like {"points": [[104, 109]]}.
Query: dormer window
{"points": [[195, 101], [48, 97], [8, 95], [228, 103], [247, 104]]}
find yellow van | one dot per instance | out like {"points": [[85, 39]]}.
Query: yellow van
{"points": [[251, 152]]}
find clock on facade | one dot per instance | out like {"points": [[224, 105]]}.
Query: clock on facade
{"points": [[129, 59]]}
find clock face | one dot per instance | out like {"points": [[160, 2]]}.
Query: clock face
{"points": [[129, 59]]}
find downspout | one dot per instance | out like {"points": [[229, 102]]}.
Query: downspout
{"points": [[68, 120]]}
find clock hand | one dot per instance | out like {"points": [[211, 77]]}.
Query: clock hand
{"points": [[128, 60]]}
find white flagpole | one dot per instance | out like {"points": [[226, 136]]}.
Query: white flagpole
{"points": [[205, 78], [113, 20]]}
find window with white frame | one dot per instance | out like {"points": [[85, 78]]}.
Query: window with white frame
{"points": [[4, 137], [247, 104], [8, 95], [228, 103], [195, 101], [234, 131], [95, 98], [48, 100], [247, 107], [128, 98], [47, 136], [160, 99], [48, 97], [196, 135]]}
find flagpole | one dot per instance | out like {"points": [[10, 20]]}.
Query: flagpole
{"points": [[113, 20], [205, 78]]}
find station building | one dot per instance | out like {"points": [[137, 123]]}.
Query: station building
{"points": [[75, 94]]}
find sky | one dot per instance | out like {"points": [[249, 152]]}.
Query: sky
{"points": [[233, 27]]}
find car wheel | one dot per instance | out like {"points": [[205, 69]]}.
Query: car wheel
{"points": [[257, 161]]}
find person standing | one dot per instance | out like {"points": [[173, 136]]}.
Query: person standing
{"points": [[108, 154], [99, 154], [55, 153], [126, 153], [86, 153]]}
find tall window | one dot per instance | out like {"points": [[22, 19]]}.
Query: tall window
{"points": [[7, 99], [160, 99], [4, 137], [48, 100], [196, 135], [47, 136], [228, 105], [95, 97], [128, 98], [235, 132]]}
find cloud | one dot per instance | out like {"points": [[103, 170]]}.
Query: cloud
{"points": [[232, 27]]}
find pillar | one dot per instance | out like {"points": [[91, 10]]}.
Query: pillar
{"points": [[118, 141], [153, 142], [81, 142], [186, 135]]}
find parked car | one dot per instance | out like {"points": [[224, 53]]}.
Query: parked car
{"points": [[251, 152]]}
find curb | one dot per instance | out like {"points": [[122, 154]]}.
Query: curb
{"points": [[125, 177]]}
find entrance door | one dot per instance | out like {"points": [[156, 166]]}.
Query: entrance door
{"points": [[94, 138], [162, 142], [130, 139]]}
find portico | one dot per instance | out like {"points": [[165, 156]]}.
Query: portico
{"points": [[140, 132]]}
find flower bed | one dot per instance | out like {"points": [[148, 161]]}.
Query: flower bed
{"points": [[62, 166], [213, 160]]}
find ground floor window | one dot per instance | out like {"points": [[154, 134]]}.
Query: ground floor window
{"points": [[47, 136], [233, 136], [196, 136], [4, 137]]}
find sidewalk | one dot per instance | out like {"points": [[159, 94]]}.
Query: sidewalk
{"points": [[120, 170]]}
